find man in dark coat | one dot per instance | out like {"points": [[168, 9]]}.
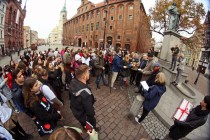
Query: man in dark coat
{"points": [[100, 70], [17, 92], [197, 117], [81, 97]]}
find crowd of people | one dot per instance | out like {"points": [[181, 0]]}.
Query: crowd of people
{"points": [[34, 84]]}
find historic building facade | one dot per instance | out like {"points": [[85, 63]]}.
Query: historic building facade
{"points": [[122, 23], [206, 47], [3, 4], [14, 21], [27, 37], [56, 35]]}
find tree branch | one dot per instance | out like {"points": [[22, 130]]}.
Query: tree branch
{"points": [[187, 31], [157, 32]]}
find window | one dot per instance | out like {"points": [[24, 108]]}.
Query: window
{"points": [[83, 26], [118, 37], [120, 8], [2, 18], [87, 26], [97, 25], [110, 27], [112, 9], [130, 16], [1, 34], [98, 14], [130, 7], [92, 26], [3, 8], [96, 36], [112, 18], [120, 17], [86, 8]]}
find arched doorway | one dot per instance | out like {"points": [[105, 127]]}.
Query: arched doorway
{"points": [[127, 47], [79, 42], [118, 45], [96, 44], [109, 40]]}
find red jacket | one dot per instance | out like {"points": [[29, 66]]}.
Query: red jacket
{"points": [[9, 76]]}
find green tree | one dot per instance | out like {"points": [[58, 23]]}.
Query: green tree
{"points": [[191, 15]]}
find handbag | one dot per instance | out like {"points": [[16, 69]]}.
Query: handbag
{"points": [[43, 129]]}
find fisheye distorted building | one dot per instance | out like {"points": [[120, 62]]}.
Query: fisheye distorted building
{"points": [[13, 27], [122, 23]]}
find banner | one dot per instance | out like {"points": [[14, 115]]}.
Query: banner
{"points": [[17, 17]]}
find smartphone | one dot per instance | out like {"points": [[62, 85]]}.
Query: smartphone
{"points": [[89, 127]]}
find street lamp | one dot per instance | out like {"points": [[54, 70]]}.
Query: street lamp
{"points": [[106, 11], [199, 71]]}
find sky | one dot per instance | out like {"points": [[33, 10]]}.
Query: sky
{"points": [[43, 15]]}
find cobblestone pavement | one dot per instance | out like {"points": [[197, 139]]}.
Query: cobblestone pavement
{"points": [[111, 115], [151, 124]]}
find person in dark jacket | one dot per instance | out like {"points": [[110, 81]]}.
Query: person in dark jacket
{"points": [[175, 52], [54, 74], [196, 118], [116, 66], [46, 115], [142, 65], [152, 96], [82, 98], [151, 80], [100, 70], [17, 92], [125, 73]]}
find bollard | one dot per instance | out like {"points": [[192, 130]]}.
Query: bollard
{"points": [[135, 108]]}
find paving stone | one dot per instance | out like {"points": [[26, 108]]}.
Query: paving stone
{"points": [[123, 138]]}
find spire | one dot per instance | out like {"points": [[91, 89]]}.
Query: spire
{"points": [[64, 7], [25, 5]]}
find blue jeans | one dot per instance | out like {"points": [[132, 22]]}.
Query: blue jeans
{"points": [[98, 78]]}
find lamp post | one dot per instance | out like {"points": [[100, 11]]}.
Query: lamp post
{"points": [[106, 11], [199, 71]]}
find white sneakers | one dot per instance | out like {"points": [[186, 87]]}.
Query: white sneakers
{"points": [[137, 118]]}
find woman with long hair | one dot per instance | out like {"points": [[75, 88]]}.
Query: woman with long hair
{"points": [[46, 115]]}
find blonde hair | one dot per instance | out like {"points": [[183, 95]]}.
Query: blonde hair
{"points": [[160, 78]]}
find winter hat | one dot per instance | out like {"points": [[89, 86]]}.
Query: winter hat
{"points": [[77, 57], [207, 101], [156, 64]]}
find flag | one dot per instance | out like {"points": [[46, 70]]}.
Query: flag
{"points": [[17, 17]]}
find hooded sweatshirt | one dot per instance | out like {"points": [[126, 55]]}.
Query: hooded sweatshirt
{"points": [[152, 96]]}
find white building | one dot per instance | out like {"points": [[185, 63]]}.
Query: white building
{"points": [[56, 35], [3, 5]]}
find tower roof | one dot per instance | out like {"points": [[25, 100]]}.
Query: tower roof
{"points": [[64, 7]]}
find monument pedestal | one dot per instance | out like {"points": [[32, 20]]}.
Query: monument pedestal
{"points": [[171, 39]]}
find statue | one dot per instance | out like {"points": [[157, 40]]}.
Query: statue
{"points": [[174, 17]]}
